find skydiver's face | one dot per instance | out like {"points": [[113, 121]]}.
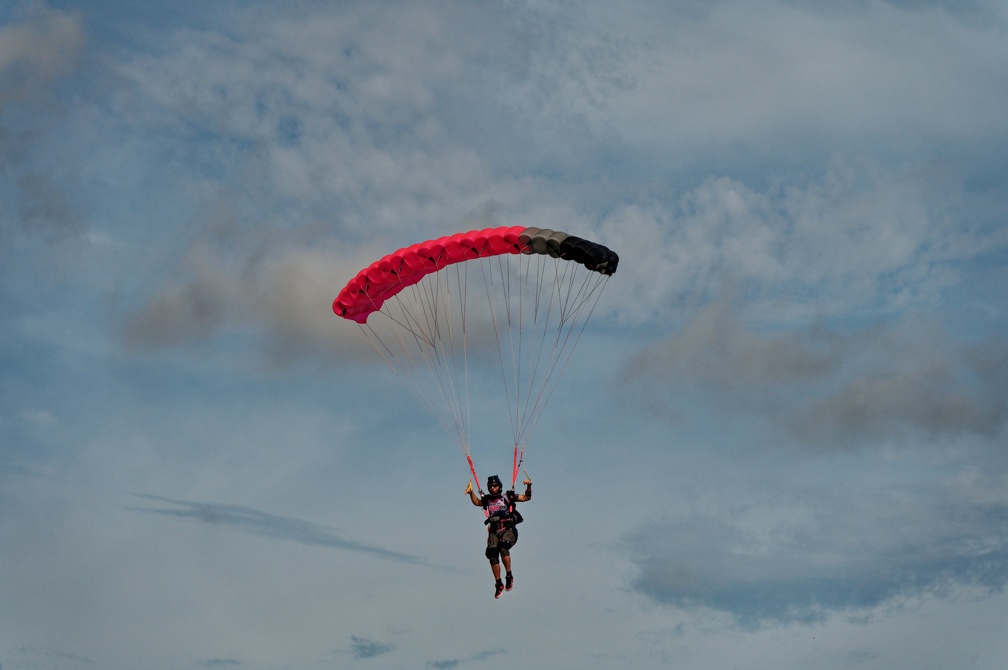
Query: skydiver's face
{"points": [[495, 489]]}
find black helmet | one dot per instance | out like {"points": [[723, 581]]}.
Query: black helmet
{"points": [[494, 480]]}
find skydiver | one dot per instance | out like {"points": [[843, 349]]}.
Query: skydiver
{"points": [[501, 521]]}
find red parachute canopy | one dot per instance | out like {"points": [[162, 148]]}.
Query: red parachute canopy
{"points": [[376, 283]]}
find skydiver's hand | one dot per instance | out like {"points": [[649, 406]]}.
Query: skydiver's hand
{"points": [[527, 482], [469, 488]]}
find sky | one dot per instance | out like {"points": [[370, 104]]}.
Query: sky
{"points": [[782, 441]]}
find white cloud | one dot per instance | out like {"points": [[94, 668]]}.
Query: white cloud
{"points": [[856, 242], [771, 76]]}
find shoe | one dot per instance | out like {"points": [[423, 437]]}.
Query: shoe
{"points": [[509, 582], [500, 589]]}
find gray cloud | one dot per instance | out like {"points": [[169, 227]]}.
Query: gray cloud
{"points": [[219, 663], [34, 656], [362, 647], [456, 662], [716, 348], [949, 391], [38, 46], [190, 310], [280, 293], [827, 386], [767, 565], [266, 525], [43, 204]]}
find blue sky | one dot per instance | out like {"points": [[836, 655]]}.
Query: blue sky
{"points": [[781, 443]]}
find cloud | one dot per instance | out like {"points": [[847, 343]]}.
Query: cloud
{"points": [[266, 525], [319, 118], [443, 664], [773, 78], [272, 242], [37, 47], [219, 663], [856, 240], [831, 386], [192, 306], [853, 242], [43, 203], [362, 647], [930, 388], [716, 348], [33, 656], [279, 294], [790, 560], [334, 137]]}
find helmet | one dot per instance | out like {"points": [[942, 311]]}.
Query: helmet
{"points": [[494, 480]]}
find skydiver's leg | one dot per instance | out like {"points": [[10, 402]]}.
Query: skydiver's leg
{"points": [[495, 567], [510, 537], [508, 540], [493, 554], [508, 578]]}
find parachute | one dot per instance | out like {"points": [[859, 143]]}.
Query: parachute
{"points": [[442, 312]]}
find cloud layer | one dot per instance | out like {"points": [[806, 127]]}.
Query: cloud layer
{"points": [[787, 420]]}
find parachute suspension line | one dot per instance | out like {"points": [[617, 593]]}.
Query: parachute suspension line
{"points": [[432, 330], [421, 341], [431, 298], [457, 338], [525, 381], [517, 356], [514, 320], [516, 336], [463, 292], [541, 323], [544, 308], [439, 305], [401, 370], [516, 298], [571, 317], [490, 286], [427, 340], [561, 271]]}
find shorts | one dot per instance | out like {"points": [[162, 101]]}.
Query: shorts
{"points": [[502, 542]]}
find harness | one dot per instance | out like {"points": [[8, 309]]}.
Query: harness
{"points": [[505, 517]]}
